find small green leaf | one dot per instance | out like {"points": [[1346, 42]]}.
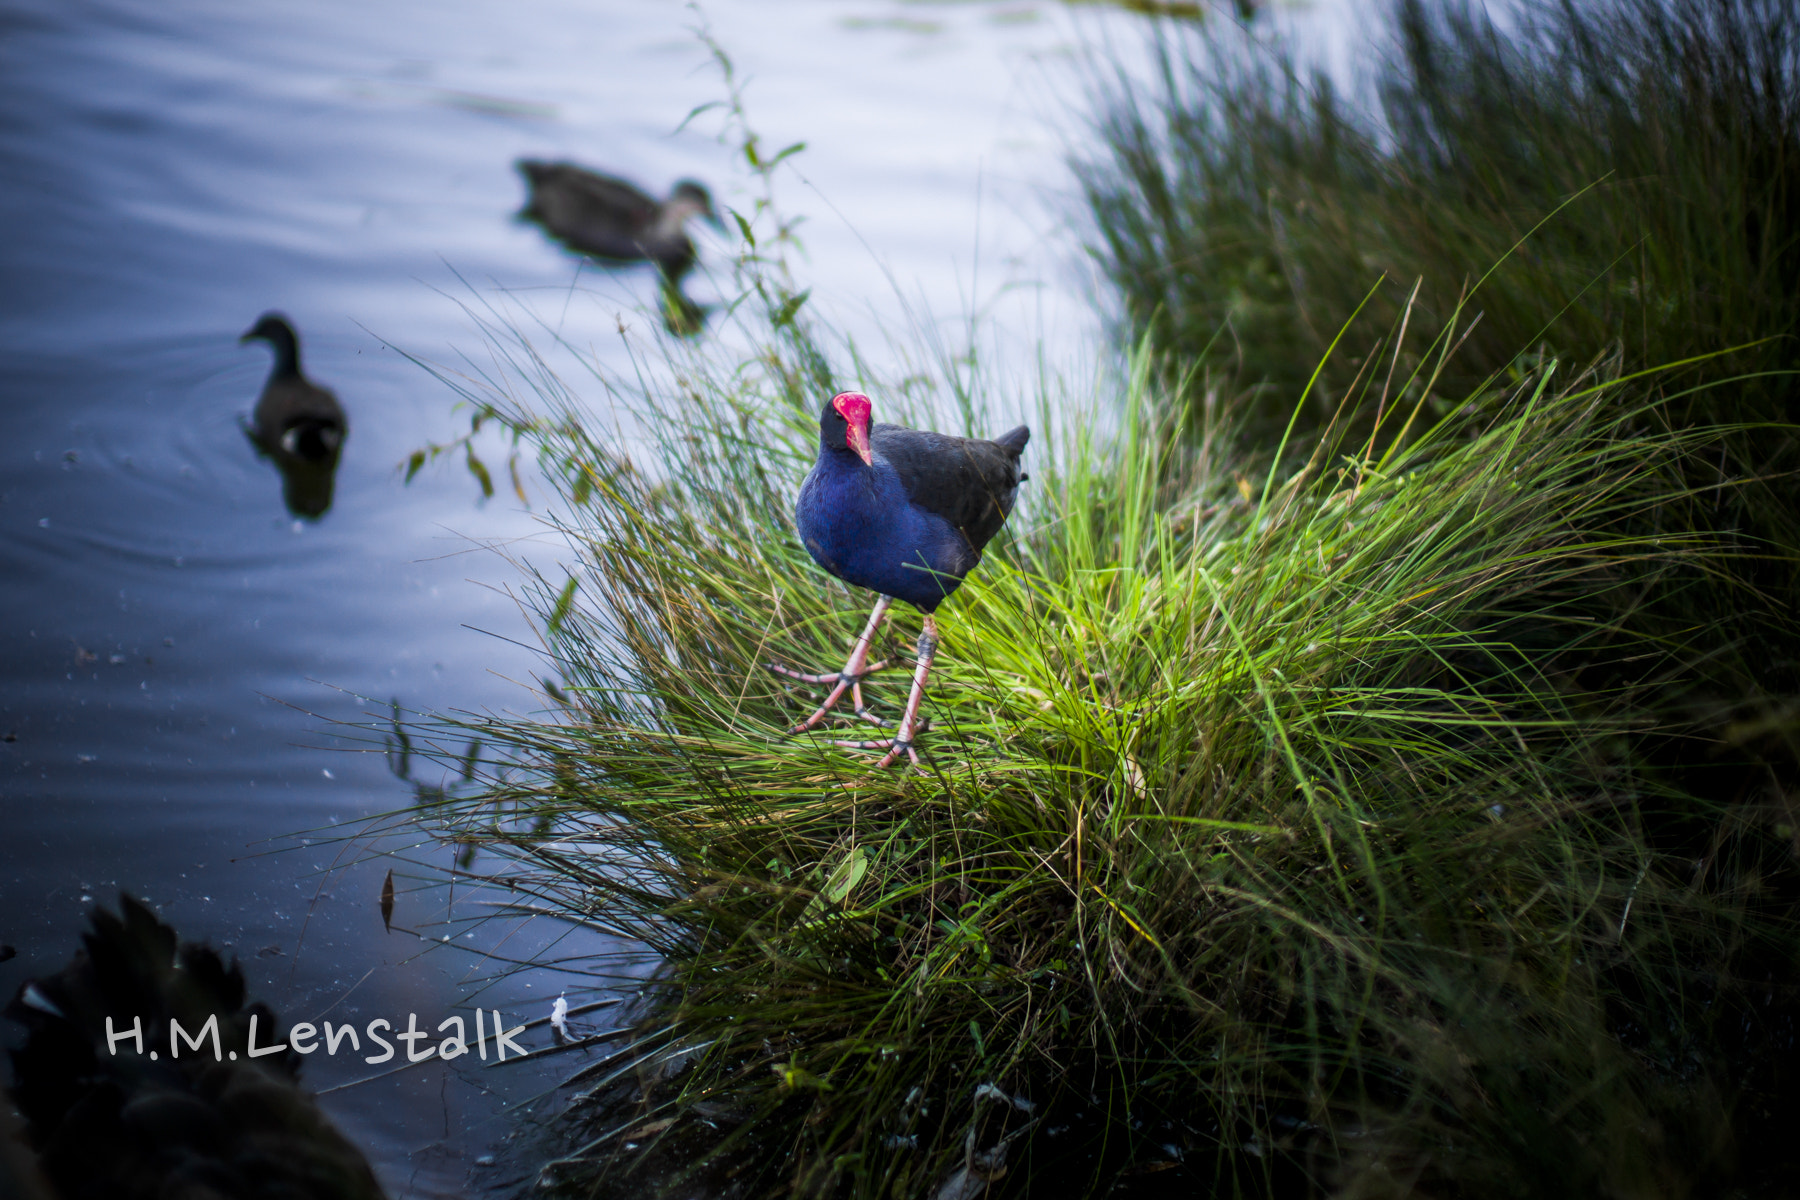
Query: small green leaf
{"points": [[518, 485], [750, 154], [584, 487], [785, 314], [414, 463], [847, 875], [796, 148], [697, 110], [564, 601], [479, 469], [744, 228]]}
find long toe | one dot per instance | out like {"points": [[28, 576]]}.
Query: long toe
{"points": [[828, 676], [847, 680], [894, 747], [891, 747], [842, 682]]}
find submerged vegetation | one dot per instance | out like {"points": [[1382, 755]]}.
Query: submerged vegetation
{"points": [[1398, 796]]}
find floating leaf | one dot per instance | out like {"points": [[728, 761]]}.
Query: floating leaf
{"points": [[387, 901]]}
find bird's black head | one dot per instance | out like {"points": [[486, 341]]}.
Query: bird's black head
{"points": [[844, 425], [274, 329], [698, 199]]}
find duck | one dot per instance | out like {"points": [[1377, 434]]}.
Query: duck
{"points": [[613, 220], [298, 424], [905, 513], [108, 1119]]}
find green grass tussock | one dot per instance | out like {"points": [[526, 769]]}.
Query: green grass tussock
{"points": [[1317, 829], [1617, 178]]}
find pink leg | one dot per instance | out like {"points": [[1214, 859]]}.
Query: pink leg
{"points": [[851, 677], [902, 741]]}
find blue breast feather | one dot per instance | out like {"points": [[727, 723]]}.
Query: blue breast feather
{"points": [[859, 525]]}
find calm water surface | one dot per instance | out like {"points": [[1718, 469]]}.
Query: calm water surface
{"points": [[174, 646]]}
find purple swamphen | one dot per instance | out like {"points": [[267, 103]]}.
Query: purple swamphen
{"points": [[904, 513]]}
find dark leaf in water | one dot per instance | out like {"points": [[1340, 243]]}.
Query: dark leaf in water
{"points": [[387, 901], [400, 748]]}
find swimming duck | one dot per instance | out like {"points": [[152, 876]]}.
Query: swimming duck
{"points": [[611, 219], [109, 1118], [297, 423]]}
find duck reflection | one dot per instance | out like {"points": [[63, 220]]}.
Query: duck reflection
{"points": [[297, 424], [608, 219]]}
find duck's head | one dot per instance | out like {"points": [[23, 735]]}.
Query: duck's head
{"points": [[271, 327], [695, 201], [845, 424]]}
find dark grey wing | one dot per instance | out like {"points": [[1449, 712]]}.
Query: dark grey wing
{"points": [[970, 482], [610, 198]]}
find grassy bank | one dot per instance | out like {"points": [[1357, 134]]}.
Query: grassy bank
{"points": [[1314, 827], [1616, 181], [1368, 763]]}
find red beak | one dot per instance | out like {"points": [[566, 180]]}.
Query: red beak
{"points": [[857, 438]]}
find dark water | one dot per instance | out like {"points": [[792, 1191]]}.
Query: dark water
{"points": [[175, 648]]}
